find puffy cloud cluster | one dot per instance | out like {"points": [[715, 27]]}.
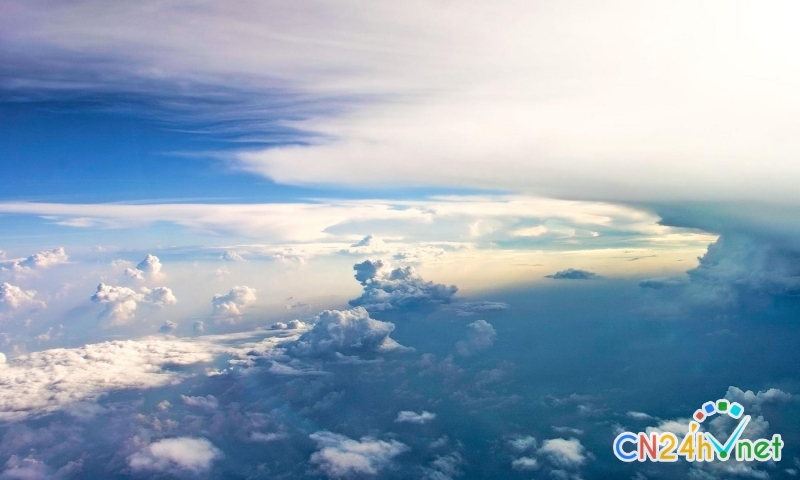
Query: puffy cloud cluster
{"points": [[338, 456], [386, 288], [572, 274], [45, 381], [480, 336], [149, 268], [14, 298], [290, 325], [233, 302], [121, 302], [407, 416], [348, 332], [176, 455]]}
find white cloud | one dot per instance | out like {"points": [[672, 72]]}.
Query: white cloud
{"points": [[638, 415], [523, 443], [348, 332], [564, 453], [407, 416], [680, 427], [480, 336], [147, 269], [45, 381], [369, 245], [525, 463], [338, 456], [45, 259], [209, 402], [14, 298], [231, 256], [428, 220], [233, 302], [386, 288], [172, 455], [752, 399], [121, 302]]}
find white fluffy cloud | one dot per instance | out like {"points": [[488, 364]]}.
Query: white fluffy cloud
{"points": [[386, 288], [121, 302], [231, 256], [338, 456], [407, 416], [749, 398], [480, 336], [172, 455], [45, 259], [369, 245], [45, 381], [233, 302], [147, 269], [14, 298], [564, 453], [348, 332]]}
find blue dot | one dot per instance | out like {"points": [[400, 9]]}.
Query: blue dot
{"points": [[709, 407], [736, 410]]}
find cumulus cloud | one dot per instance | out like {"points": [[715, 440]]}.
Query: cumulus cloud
{"points": [[147, 269], [564, 453], [45, 259], [121, 302], [14, 298], [480, 336], [209, 402], [386, 288], [291, 325], [231, 256], [755, 400], [45, 381], [338, 456], [525, 463], [233, 302], [174, 455], [572, 274], [348, 332], [523, 443], [407, 416], [168, 327], [368, 245]]}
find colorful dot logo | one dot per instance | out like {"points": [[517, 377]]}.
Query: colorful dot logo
{"points": [[733, 409]]}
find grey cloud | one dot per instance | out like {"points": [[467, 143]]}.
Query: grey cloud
{"points": [[399, 288], [338, 456], [348, 332], [572, 274], [471, 308]]}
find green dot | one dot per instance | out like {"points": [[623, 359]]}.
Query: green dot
{"points": [[722, 406], [723, 455]]}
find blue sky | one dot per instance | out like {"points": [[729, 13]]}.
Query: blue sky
{"points": [[378, 240]]}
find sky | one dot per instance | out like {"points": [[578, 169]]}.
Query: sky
{"points": [[430, 240]]}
